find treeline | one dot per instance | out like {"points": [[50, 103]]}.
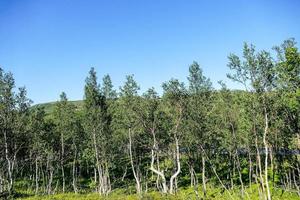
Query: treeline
{"points": [[191, 136]]}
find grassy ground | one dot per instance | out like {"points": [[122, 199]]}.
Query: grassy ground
{"points": [[183, 194]]}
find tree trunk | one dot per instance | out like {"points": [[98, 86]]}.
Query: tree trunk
{"points": [[36, 177], [95, 175], [9, 164], [63, 179], [295, 183], [203, 176], [177, 153], [258, 160], [49, 190], [136, 176], [272, 166], [250, 168], [62, 162], [157, 171], [74, 172], [257, 182], [173, 177], [266, 154], [239, 172], [107, 179], [98, 168], [1, 182], [192, 174]]}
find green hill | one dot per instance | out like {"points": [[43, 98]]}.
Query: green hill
{"points": [[49, 107]]}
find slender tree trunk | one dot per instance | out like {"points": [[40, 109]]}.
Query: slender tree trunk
{"points": [[295, 183], [215, 172], [272, 166], [107, 179], [63, 179], [74, 172], [62, 162], [1, 182], [257, 182], [125, 173], [36, 176], [258, 159], [9, 164], [240, 174], [95, 175], [290, 179], [146, 182], [196, 186], [97, 163], [176, 185], [177, 154], [44, 178], [49, 187], [157, 171], [298, 170], [50, 183], [193, 181], [203, 175], [250, 168], [135, 174], [266, 154], [159, 187], [100, 179], [174, 176]]}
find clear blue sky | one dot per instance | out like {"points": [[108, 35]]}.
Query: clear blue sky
{"points": [[50, 45]]}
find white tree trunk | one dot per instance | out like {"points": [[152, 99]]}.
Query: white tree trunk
{"points": [[36, 176], [62, 162], [136, 176], [98, 168], [266, 156], [157, 171], [173, 177], [258, 160], [74, 181], [9, 164]]}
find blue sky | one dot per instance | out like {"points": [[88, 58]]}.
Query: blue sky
{"points": [[50, 45]]}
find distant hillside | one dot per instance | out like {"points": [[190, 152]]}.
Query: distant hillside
{"points": [[49, 107]]}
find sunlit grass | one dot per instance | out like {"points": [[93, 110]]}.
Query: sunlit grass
{"points": [[183, 194]]}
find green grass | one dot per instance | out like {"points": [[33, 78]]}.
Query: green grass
{"points": [[183, 194]]}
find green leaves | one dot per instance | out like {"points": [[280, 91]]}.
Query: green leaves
{"points": [[130, 88], [107, 88], [197, 81]]}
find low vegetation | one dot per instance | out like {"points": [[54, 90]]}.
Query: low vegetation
{"points": [[182, 194]]}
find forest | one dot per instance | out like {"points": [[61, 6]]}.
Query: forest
{"points": [[191, 142]]}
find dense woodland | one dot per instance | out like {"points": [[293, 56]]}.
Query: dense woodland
{"points": [[190, 136]]}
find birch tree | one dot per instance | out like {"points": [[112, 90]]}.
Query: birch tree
{"points": [[95, 126]]}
